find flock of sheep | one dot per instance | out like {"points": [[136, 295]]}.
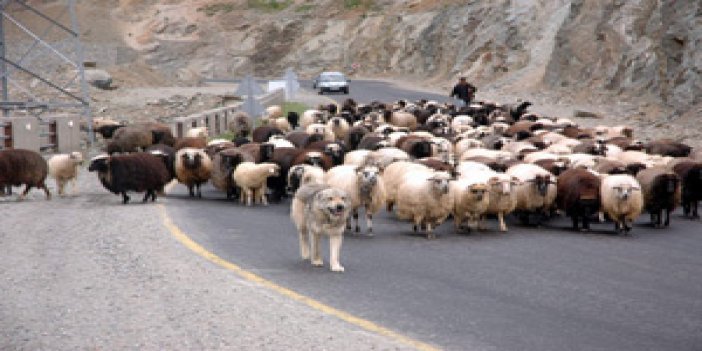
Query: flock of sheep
{"points": [[424, 160]]}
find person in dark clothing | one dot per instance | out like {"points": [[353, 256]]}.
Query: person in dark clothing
{"points": [[463, 90]]}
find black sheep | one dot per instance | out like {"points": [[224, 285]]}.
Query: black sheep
{"points": [[690, 174], [23, 167], [140, 172], [579, 195], [264, 133], [661, 190]]}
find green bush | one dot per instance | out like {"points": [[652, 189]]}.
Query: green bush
{"points": [[213, 9], [269, 5]]}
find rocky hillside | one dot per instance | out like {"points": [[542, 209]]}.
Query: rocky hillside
{"points": [[634, 50]]}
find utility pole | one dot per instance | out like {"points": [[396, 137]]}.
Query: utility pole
{"points": [[3, 64]]}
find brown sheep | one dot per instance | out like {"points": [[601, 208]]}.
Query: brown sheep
{"points": [[262, 134], [690, 174], [195, 143], [130, 139], [667, 147], [578, 194], [661, 190], [259, 152], [23, 167]]}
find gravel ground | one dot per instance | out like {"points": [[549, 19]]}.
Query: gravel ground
{"points": [[85, 272]]}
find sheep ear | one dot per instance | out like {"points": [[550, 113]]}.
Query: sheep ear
{"points": [[493, 180]]}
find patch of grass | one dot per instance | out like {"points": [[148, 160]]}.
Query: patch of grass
{"points": [[269, 5], [294, 106], [305, 7], [225, 135], [358, 4], [213, 9]]}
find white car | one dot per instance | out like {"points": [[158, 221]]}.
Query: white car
{"points": [[331, 82]]}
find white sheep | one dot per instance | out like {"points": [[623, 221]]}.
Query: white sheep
{"points": [[462, 123], [395, 136], [536, 192], [339, 127], [465, 168], [365, 188], [558, 149], [387, 155], [424, 199], [281, 123], [503, 198], [273, 112], [251, 178], [496, 155], [471, 199], [197, 132], [356, 157], [64, 168], [278, 141], [310, 117], [622, 200], [320, 129], [393, 176], [465, 144], [403, 119], [541, 156]]}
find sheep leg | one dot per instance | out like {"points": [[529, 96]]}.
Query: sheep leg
{"points": [[586, 223], [146, 196], [125, 198], [430, 234], [667, 217], [315, 248], [694, 209], [249, 197], [369, 222], [46, 190], [575, 222], [24, 193], [74, 186], [264, 200], [355, 219], [60, 185], [501, 219], [334, 249], [686, 208], [389, 206], [153, 196], [199, 193], [191, 190], [348, 223]]}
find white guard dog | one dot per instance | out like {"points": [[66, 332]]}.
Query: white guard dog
{"points": [[320, 209]]}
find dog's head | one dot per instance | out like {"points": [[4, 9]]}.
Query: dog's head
{"points": [[334, 203]]}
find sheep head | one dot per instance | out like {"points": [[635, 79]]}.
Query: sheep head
{"points": [[440, 182], [477, 191], [623, 192], [100, 163], [191, 159], [541, 183]]}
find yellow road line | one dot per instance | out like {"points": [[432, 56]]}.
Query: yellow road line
{"points": [[249, 276]]}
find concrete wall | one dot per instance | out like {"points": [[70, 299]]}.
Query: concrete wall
{"points": [[59, 133], [216, 120]]}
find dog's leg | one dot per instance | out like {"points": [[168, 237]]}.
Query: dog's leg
{"points": [[316, 254], [304, 237], [334, 249]]}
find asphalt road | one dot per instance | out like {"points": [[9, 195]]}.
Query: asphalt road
{"points": [[365, 91], [529, 289]]}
